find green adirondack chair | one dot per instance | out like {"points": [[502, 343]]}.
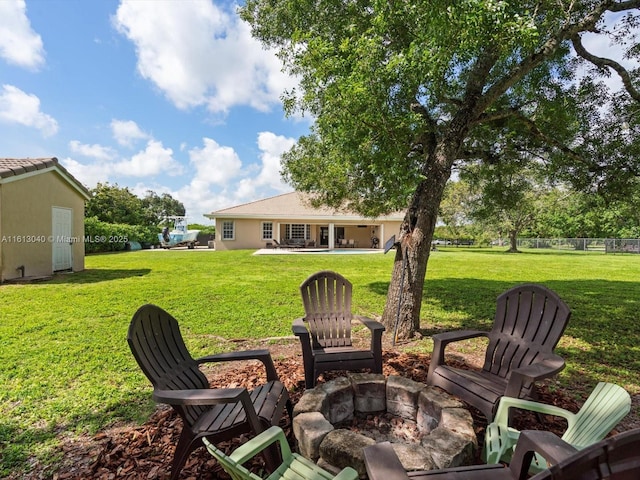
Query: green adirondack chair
{"points": [[605, 407], [294, 466]]}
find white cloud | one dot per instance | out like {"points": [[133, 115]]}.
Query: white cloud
{"points": [[88, 175], [197, 53], [272, 147], [19, 107], [214, 164], [218, 167], [153, 160], [126, 132], [93, 151], [19, 44]]}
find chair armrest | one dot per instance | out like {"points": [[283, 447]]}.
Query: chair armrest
{"points": [[502, 413], [262, 355], [546, 367], [448, 337], [440, 342], [371, 324], [347, 473], [260, 442], [299, 328], [382, 463], [546, 444], [201, 396]]}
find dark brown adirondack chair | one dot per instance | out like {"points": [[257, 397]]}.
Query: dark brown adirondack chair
{"points": [[325, 330], [217, 414], [529, 322], [615, 458]]}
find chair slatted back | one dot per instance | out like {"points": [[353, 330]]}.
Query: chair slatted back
{"points": [[157, 345], [326, 296], [615, 458], [601, 412], [529, 321]]}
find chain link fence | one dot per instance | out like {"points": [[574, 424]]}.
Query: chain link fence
{"points": [[605, 245]]}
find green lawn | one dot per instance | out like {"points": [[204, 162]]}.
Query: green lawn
{"points": [[65, 365]]}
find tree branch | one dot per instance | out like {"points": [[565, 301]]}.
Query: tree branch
{"points": [[622, 6], [603, 63], [549, 48], [533, 128]]}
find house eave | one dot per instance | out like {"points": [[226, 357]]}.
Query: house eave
{"points": [[302, 219]]}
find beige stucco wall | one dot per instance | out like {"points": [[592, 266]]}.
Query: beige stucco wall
{"points": [[248, 232], [26, 223]]}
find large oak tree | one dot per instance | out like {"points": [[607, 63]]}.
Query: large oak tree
{"points": [[403, 91]]}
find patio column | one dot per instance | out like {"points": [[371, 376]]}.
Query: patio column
{"points": [[332, 236]]}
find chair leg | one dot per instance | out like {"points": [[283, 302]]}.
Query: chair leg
{"points": [[310, 377], [183, 449], [272, 457]]}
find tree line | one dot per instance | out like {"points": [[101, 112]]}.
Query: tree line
{"points": [[483, 208], [116, 212]]}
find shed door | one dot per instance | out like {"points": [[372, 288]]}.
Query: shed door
{"points": [[62, 241]]}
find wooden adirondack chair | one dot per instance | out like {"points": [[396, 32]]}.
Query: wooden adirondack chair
{"points": [[601, 412], [615, 458], [325, 330], [293, 467], [529, 322], [223, 413]]}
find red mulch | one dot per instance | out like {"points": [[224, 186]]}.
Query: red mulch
{"points": [[146, 451]]}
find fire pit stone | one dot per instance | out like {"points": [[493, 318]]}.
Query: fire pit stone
{"points": [[441, 428]]}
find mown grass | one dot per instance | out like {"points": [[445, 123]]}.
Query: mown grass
{"points": [[65, 365]]}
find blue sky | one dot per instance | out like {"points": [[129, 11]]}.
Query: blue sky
{"points": [[163, 95]]}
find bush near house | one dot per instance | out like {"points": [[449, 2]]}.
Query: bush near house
{"points": [[112, 237]]}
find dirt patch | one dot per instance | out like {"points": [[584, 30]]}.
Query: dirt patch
{"points": [[145, 451]]}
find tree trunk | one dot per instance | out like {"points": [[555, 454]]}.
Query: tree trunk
{"points": [[401, 315], [513, 241]]}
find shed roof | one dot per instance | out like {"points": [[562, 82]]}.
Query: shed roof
{"points": [[16, 168], [289, 205]]}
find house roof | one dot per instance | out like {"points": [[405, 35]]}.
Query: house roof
{"points": [[294, 205], [16, 168]]}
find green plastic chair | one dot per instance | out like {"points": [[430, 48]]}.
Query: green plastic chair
{"points": [[293, 467], [605, 407]]}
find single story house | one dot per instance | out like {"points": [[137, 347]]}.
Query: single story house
{"points": [[41, 219], [290, 217]]}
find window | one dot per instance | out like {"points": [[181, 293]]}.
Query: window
{"points": [[267, 230], [298, 231], [228, 231]]}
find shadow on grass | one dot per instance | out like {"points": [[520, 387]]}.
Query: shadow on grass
{"points": [[96, 275], [600, 341], [14, 442], [20, 444]]}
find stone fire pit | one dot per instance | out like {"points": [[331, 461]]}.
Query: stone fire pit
{"points": [[445, 435]]}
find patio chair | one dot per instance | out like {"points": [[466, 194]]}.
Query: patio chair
{"points": [[615, 458], [325, 330], [601, 412], [293, 467], [529, 322], [218, 414], [276, 243], [352, 243]]}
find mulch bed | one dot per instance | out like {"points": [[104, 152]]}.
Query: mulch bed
{"points": [[145, 451]]}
